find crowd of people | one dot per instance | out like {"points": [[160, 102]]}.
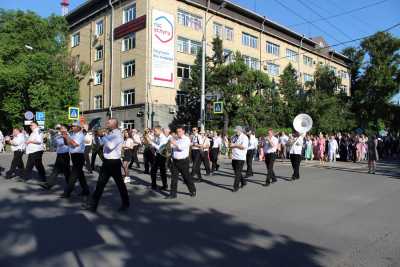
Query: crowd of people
{"points": [[165, 151]]}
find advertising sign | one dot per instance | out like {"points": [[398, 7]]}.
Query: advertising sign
{"points": [[163, 49]]}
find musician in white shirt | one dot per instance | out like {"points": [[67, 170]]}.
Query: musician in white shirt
{"points": [[251, 150], [127, 152], [180, 163], [283, 140], [159, 144], [239, 145], [18, 147], [216, 146], [204, 149], [196, 154], [34, 150], [112, 146], [88, 140], [270, 148], [136, 144], [295, 154]]}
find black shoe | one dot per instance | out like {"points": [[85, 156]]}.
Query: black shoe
{"points": [[164, 188], [235, 189], [274, 180], [89, 207], [123, 208], [243, 184], [171, 196], [193, 194], [83, 194], [154, 187], [267, 183]]}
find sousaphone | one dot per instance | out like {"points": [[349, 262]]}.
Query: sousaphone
{"points": [[302, 123]]}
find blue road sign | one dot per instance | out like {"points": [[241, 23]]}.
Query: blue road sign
{"points": [[29, 115], [40, 116], [73, 113]]}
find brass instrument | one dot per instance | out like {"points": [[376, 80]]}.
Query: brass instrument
{"points": [[166, 150], [146, 137]]}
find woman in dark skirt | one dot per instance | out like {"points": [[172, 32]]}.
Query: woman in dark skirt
{"points": [[127, 149], [372, 154]]}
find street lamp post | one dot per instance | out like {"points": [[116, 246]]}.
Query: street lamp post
{"points": [[203, 68]]}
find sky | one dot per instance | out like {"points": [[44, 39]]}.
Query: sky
{"points": [[306, 17]]}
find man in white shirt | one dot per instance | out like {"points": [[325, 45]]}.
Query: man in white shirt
{"points": [[295, 154], [34, 150], [76, 143], [239, 145], [204, 149], [88, 140], [112, 147], [62, 164], [283, 140], [251, 150], [18, 147], [180, 163], [333, 148], [136, 144], [270, 148], [216, 146], [196, 154], [159, 162]]}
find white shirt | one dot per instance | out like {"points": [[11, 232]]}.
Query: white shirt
{"points": [[112, 144], [196, 140], [159, 142], [283, 139], [18, 142], [253, 142], [217, 142], [297, 146], [237, 153], [37, 137], [271, 148], [333, 145], [128, 144], [78, 138], [60, 144], [88, 139], [181, 149], [136, 140]]}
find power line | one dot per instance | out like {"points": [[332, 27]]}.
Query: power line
{"points": [[327, 21], [306, 20], [341, 14]]}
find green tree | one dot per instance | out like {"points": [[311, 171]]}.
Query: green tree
{"points": [[38, 79]]}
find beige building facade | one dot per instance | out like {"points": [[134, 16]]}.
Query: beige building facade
{"points": [[147, 39]]}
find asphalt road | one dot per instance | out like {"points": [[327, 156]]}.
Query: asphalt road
{"points": [[333, 216]]}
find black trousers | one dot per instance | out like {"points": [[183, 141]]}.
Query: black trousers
{"points": [[35, 160], [237, 166], [110, 168], [159, 163], [206, 161], [249, 162], [295, 159], [269, 162], [148, 158], [214, 159], [181, 166], [17, 164], [135, 157], [196, 161], [78, 160], [95, 152], [62, 165], [88, 166]]}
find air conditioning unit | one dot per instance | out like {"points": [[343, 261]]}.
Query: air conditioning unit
{"points": [[172, 110]]}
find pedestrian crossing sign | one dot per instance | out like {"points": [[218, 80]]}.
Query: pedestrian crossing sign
{"points": [[73, 113], [218, 107]]}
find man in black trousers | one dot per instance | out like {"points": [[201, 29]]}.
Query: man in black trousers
{"points": [[159, 144], [97, 149], [180, 163], [111, 168], [18, 147], [295, 154]]}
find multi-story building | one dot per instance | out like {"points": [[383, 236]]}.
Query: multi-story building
{"points": [[140, 51]]}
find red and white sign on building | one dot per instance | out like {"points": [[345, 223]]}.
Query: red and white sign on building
{"points": [[163, 49]]}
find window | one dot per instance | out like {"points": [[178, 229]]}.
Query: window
{"points": [[308, 77], [308, 61], [251, 62], [129, 13], [188, 46], [343, 89], [128, 69], [75, 39], [129, 124], [228, 33], [273, 69], [229, 56], [129, 42], [99, 28], [273, 49], [77, 65], [98, 77], [189, 20], [128, 97], [343, 74], [181, 98], [249, 40], [183, 71], [334, 69], [98, 102], [291, 55], [99, 52], [217, 30]]}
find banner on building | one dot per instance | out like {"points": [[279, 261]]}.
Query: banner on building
{"points": [[163, 49]]}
